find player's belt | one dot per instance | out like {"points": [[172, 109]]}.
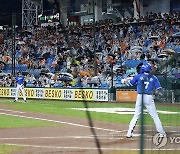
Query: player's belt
{"points": [[145, 93]]}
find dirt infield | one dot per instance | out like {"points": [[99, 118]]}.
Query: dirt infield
{"points": [[74, 136]]}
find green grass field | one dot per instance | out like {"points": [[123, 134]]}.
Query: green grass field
{"points": [[14, 122], [7, 149], [64, 109]]}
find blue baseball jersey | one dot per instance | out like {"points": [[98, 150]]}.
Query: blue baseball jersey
{"points": [[20, 79], [151, 83]]}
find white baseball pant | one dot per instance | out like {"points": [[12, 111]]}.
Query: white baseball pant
{"points": [[149, 104], [21, 87]]}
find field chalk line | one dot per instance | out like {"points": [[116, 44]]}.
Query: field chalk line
{"points": [[84, 148], [11, 111], [105, 137], [62, 122]]}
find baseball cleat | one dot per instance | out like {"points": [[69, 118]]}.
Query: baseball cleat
{"points": [[129, 135], [162, 135], [14, 100]]}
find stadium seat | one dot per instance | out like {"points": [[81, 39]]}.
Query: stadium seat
{"points": [[58, 85], [36, 72], [52, 70], [18, 54], [49, 61], [79, 85], [8, 67], [104, 85], [133, 63]]}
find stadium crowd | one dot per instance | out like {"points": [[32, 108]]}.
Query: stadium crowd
{"points": [[52, 56]]}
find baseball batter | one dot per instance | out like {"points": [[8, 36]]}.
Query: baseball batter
{"points": [[146, 84], [20, 85]]}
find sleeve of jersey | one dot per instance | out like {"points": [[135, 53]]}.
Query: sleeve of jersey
{"points": [[23, 79], [157, 84], [133, 81], [16, 79]]}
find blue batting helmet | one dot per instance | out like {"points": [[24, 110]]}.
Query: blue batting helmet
{"points": [[138, 68], [145, 68]]}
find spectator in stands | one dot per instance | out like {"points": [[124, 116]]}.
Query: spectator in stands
{"points": [[46, 42], [7, 81]]}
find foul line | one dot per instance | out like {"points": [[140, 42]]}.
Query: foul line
{"points": [[85, 148], [62, 122], [12, 111], [105, 137]]}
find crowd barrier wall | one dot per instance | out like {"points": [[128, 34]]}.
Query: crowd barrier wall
{"points": [[58, 94]]}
